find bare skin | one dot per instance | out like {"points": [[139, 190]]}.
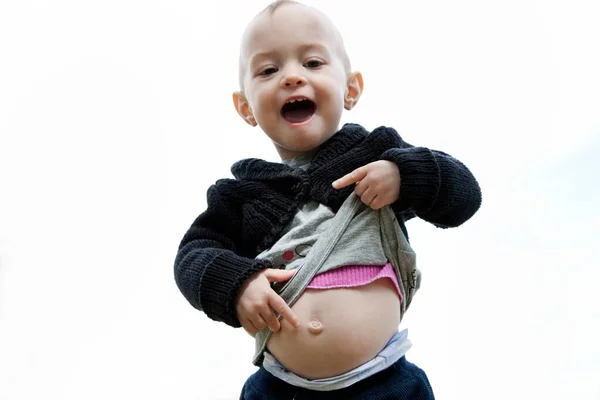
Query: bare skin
{"points": [[297, 53], [315, 326], [339, 330]]}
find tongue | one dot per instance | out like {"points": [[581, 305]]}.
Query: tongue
{"points": [[297, 115]]}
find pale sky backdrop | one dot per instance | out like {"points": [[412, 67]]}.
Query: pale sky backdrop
{"points": [[116, 116]]}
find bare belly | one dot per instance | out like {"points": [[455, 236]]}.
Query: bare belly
{"points": [[340, 329]]}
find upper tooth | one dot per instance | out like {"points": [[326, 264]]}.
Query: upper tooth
{"points": [[293, 100]]}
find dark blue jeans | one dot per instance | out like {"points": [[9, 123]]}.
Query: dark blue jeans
{"points": [[401, 381]]}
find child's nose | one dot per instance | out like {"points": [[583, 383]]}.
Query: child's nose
{"points": [[293, 80]]}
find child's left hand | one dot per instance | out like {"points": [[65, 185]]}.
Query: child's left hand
{"points": [[377, 183]]}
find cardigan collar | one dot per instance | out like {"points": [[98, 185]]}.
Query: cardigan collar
{"points": [[260, 170]]}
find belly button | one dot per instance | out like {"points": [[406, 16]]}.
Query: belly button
{"points": [[315, 327]]}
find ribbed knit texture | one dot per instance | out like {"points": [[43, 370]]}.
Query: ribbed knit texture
{"points": [[354, 276], [246, 215]]}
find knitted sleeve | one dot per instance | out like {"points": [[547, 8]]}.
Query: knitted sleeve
{"points": [[208, 268], [434, 186]]}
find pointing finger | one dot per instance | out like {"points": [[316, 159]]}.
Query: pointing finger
{"points": [[350, 178], [281, 307]]}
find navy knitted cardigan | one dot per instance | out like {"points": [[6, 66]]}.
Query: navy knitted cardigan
{"points": [[247, 215]]}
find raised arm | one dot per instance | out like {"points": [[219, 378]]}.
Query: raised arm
{"points": [[434, 186]]}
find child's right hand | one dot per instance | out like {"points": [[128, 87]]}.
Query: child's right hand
{"points": [[257, 301]]}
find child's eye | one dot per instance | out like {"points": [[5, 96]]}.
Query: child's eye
{"points": [[268, 71], [313, 64]]}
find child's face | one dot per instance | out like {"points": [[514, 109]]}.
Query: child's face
{"points": [[296, 79]]}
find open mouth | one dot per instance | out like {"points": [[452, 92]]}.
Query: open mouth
{"points": [[298, 111]]}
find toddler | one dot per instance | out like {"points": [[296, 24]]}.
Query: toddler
{"points": [[311, 255]]}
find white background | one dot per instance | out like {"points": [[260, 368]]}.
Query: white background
{"points": [[116, 116]]}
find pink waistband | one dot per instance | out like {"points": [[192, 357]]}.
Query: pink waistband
{"points": [[353, 276]]}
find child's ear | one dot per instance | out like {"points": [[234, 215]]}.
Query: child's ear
{"points": [[243, 108], [353, 90]]}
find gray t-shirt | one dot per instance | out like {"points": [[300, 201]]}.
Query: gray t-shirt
{"points": [[359, 246], [317, 240]]}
